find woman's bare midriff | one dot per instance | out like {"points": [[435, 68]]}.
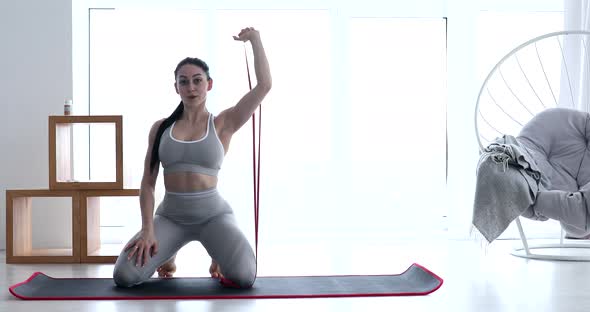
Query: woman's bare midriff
{"points": [[186, 182]]}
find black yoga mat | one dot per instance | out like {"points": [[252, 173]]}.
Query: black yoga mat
{"points": [[415, 281]]}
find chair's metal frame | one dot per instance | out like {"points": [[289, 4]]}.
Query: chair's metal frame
{"points": [[528, 250]]}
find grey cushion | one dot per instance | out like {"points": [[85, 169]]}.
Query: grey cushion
{"points": [[558, 140]]}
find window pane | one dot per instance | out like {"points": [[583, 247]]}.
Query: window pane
{"points": [[500, 32], [398, 133]]}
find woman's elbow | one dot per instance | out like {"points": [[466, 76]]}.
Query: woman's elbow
{"points": [[266, 85]]}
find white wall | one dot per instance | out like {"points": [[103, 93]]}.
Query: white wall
{"points": [[35, 78]]}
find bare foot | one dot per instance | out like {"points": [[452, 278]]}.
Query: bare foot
{"points": [[215, 270], [167, 269]]}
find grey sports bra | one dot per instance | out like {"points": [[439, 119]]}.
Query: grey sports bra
{"points": [[204, 155]]}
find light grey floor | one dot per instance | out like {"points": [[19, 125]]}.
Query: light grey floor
{"points": [[476, 279]]}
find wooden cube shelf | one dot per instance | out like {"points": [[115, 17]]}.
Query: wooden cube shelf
{"points": [[61, 150], [85, 195], [92, 250], [19, 231]]}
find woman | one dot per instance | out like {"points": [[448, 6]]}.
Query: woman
{"points": [[191, 144]]}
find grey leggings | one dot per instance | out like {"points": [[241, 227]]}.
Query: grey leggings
{"points": [[184, 217]]}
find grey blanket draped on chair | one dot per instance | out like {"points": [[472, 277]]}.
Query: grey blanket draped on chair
{"points": [[508, 181], [542, 173]]}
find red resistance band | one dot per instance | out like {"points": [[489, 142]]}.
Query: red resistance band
{"points": [[255, 158], [256, 171]]}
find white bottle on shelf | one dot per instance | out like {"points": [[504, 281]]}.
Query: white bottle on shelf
{"points": [[68, 107], [70, 143]]}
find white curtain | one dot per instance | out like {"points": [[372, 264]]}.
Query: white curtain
{"points": [[576, 69]]}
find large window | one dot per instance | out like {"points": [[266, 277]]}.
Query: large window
{"points": [[353, 137], [368, 131]]}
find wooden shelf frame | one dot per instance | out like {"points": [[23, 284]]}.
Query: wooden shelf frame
{"points": [[19, 236], [85, 205], [85, 226], [90, 223], [55, 121]]}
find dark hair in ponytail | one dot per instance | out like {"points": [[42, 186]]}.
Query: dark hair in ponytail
{"points": [[155, 159]]}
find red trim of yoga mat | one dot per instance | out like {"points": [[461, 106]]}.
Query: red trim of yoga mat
{"points": [[11, 289], [242, 296]]}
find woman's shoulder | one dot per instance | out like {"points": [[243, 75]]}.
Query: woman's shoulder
{"points": [[157, 124], [155, 127]]}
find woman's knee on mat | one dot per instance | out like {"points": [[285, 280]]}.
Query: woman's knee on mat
{"points": [[126, 276], [241, 267], [243, 276]]}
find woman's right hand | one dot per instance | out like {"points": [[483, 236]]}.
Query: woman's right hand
{"points": [[143, 246], [247, 33]]}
